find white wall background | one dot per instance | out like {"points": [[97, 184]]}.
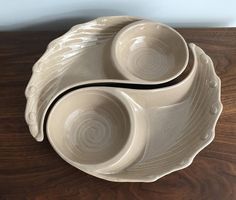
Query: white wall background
{"points": [[62, 14]]}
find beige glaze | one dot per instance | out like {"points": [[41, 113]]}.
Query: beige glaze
{"points": [[150, 52], [179, 121], [81, 56]]}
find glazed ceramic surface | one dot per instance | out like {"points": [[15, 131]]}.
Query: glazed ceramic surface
{"points": [[166, 142], [149, 51], [175, 122]]}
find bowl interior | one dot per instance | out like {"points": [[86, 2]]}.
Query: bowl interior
{"points": [[89, 126], [149, 51]]}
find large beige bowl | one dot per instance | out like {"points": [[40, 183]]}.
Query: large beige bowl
{"points": [[179, 120], [148, 51]]}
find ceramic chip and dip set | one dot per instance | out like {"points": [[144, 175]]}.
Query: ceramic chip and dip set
{"points": [[118, 99]]}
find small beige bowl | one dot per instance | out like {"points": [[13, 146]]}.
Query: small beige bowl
{"points": [[148, 51], [94, 130]]}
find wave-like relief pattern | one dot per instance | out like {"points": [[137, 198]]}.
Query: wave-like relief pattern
{"points": [[48, 70], [198, 131]]}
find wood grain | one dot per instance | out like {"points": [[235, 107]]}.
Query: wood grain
{"points": [[31, 170]]}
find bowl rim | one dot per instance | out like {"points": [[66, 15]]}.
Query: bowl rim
{"points": [[128, 75], [128, 144]]}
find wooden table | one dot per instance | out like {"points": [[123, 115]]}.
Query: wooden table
{"points": [[32, 170]]}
